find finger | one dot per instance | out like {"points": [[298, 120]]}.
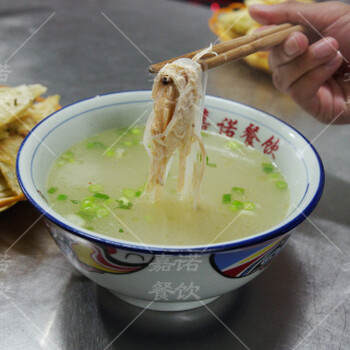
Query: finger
{"points": [[305, 91], [316, 55], [292, 12], [295, 45]]}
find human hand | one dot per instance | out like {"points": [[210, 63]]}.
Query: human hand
{"points": [[308, 67]]}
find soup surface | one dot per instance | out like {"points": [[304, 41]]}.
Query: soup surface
{"points": [[99, 184]]}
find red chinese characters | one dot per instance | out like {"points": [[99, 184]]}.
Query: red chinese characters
{"points": [[227, 127], [205, 123], [271, 146], [250, 134]]}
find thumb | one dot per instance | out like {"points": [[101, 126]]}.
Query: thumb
{"points": [[291, 12]]}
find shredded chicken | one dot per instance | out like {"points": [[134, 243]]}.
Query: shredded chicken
{"points": [[175, 123]]}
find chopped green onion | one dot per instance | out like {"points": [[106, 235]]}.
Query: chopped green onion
{"points": [[101, 196], [268, 168], [138, 193], [61, 162], [281, 185], [110, 152], [129, 193], [86, 214], [204, 134], [248, 206], [75, 201], [239, 190], [121, 230], [95, 188], [75, 219], [236, 205], [68, 156], [61, 197], [127, 143], [90, 228], [124, 203], [96, 144], [233, 145], [52, 190], [226, 198], [210, 164], [109, 201], [102, 212], [136, 131], [274, 175], [89, 204]]}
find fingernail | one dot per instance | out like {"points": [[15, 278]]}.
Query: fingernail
{"points": [[291, 46], [323, 49], [335, 61]]}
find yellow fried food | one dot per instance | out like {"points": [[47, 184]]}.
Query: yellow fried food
{"points": [[234, 21], [21, 108], [16, 100]]}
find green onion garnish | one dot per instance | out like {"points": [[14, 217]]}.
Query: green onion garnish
{"points": [[89, 204], [110, 152], [109, 201], [121, 230], [248, 206], [129, 193], [101, 196], [102, 212], [52, 190], [281, 185], [138, 193], [124, 203], [268, 168], [274, 175], [226, 198], [236, 205], [75, 201], [135, 131], [68, 156], [96, 144], [233, 145], [239, 190], [90, 228], [86, 214], [95, 188], [61, 197], [210, 164]]}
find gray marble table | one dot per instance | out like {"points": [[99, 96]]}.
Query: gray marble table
{"points": [[83, 48]]}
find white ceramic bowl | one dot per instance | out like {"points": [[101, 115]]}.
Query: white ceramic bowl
{"points": [[168, 277]]}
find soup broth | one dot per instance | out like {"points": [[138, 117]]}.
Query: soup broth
{"points": [[99, 184]]}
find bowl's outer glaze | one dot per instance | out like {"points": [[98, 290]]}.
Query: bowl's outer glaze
{"points": [[163, 277], [170, 274]]}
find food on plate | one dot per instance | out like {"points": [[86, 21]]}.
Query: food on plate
{"points": [[21, 108], [101, 188]]}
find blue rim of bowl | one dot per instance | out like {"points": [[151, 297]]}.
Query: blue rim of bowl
{"points": [[238, 244]]}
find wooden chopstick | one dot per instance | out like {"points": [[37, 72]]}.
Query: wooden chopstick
{"points": [[239, 47]]}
